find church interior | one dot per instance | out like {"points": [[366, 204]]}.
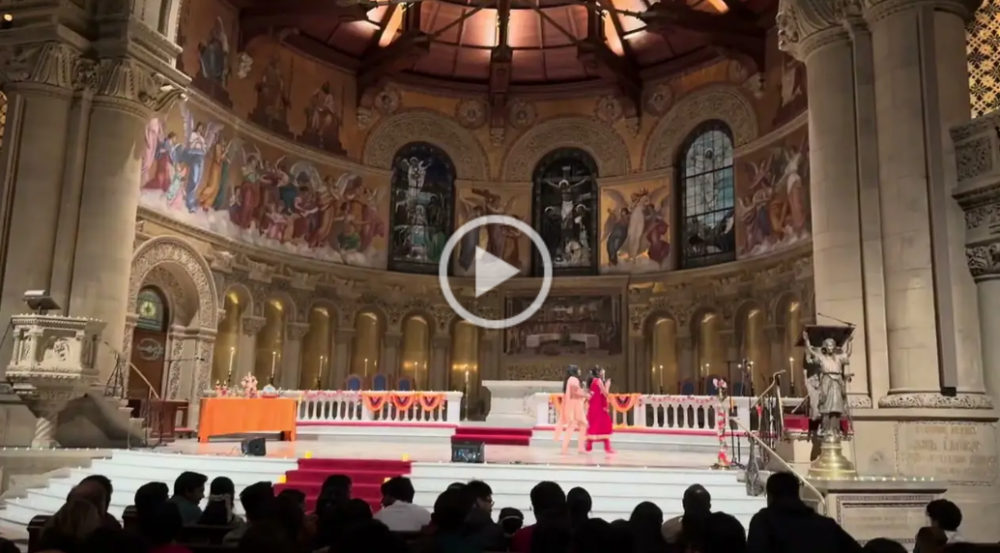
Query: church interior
{"points": [[241, 188]]}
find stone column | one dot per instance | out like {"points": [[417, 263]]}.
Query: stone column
{"points": [[814, 32], [440, 346], [39, 83], [291, 357], [131, 320], [686, 360], [921, 90], [977, 147], [639, 376], [204, 348], [246, 351], [336, 374], [389, 365]]}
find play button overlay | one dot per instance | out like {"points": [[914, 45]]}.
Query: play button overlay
{"points": [[492, 271]]}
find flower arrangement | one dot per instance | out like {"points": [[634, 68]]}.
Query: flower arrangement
{"points": [[721, 423], [249, 385]]}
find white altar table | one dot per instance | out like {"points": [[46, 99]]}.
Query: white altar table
{"points": [[512, 402]]}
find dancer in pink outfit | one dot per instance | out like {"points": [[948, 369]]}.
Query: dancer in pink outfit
{"points": [[599, 427], [571, 417]]}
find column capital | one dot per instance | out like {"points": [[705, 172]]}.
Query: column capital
{"points": [[52, 65], [977, 161], [297, 331], [251, 326], [805, 26], [131, 86]]}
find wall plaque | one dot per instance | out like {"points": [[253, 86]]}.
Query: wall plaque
{"points": [[959, 452], [883, 516]]}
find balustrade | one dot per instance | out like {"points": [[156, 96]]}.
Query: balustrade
{"points": [[338, 406]]}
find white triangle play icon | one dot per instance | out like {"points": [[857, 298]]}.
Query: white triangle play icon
{"points": [[491, 271]]}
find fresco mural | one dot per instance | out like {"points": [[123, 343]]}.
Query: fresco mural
{"points": [[565, 211], [207, 33], [422, 205], [708, 231], [200, 172], [505, 242], [791, 90], [635, 233], [773, 196], [566, 325]]}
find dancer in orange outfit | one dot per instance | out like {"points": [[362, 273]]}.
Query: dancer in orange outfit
{"points": [[572, 417]]}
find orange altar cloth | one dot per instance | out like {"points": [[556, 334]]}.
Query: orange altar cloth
{"points": [[222, 416]]}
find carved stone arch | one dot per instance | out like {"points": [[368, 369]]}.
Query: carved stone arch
{"points": [[740, 314], [696, 315], [329, 305], [421, 312], [391, 134], [601, 141], [717, 102], [181, 305], [779, 304], [189, 269], [244, 295], [384, 319], [655, 316], [288, 302]]}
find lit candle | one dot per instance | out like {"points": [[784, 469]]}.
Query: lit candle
{"points": [[366, 367], [232, 355], [274, 363], [322, 365], [791, 371]]}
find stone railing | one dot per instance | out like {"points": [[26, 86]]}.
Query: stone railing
{"points": [[337, 406], [682, 414]]}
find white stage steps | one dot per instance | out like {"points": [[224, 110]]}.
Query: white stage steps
{"points": [[615, 490]]}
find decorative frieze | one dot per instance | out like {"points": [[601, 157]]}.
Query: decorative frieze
{"points": [[977, 159]]}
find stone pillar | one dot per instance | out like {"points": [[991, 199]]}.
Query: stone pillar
{"points": [[246, 351], [977, 147], [337, 373], [639, 377], [39, 83], [814, 32], [291, 357], [921, 90], [440, 346], [131, 320], [389, 365], [204, 348]]}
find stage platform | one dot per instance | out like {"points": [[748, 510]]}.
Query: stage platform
{"points": [[616, 482]]}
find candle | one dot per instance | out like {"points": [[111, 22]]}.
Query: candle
{"points": [[791, 371], [366, 367], [232, 355], [322, 365], [274, 362]]}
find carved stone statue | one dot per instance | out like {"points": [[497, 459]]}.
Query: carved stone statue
{"points": [[828, 388]]}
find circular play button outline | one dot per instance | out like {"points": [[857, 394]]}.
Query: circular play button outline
{"points": [[445, 263]]}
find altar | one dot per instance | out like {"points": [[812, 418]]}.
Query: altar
{"points": [[511, 401]]}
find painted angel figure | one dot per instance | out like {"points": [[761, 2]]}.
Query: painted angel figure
{"points": [[200, 137]]}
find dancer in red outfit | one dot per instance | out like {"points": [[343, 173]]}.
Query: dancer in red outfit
{"points": [[599, 425]]}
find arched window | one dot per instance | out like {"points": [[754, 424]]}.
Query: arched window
{"points": [[422, 207], [707, 187], [565, 211], [152, 310]]}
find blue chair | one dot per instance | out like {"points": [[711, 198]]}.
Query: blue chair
{"points": [[380, 383], [404, 384], [354, 383], [687, 387]]}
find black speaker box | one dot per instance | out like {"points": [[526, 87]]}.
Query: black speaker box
{"points": [[254, 447], [468, 451]]}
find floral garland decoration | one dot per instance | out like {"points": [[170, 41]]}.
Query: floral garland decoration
{"points": [[623, 403], [660, 400], [721, 422], [249, 385], [403, 402]]}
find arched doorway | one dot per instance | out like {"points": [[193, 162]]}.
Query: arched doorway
{"points": [[149, 344]]}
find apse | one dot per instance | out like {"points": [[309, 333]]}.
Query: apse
{"points": [[270, 342], [366, 349], [663, 356], [227, 341], [317, 350], [416, 351]]}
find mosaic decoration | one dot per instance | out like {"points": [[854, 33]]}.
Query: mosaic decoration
{"points": [[983, 47]]}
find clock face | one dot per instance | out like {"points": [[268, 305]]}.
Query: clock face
{"points": [[147, 310]]}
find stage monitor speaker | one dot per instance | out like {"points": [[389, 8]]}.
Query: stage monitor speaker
{"points": [[468, 451], [254, 447]]}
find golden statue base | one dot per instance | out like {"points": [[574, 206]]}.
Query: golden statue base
{"points": [[831, 463]]}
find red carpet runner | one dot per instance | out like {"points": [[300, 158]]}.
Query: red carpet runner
{"points": [[494, 436], [367, 475]]}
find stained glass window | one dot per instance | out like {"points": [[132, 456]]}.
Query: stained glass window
{"points": [[707, 186], [422, 206], [565, 211], [151, 310]]}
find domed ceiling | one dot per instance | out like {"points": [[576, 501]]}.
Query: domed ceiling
{"points": [[501, 46]]}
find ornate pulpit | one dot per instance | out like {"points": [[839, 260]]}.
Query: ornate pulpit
{"points": [[52, 363]]}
